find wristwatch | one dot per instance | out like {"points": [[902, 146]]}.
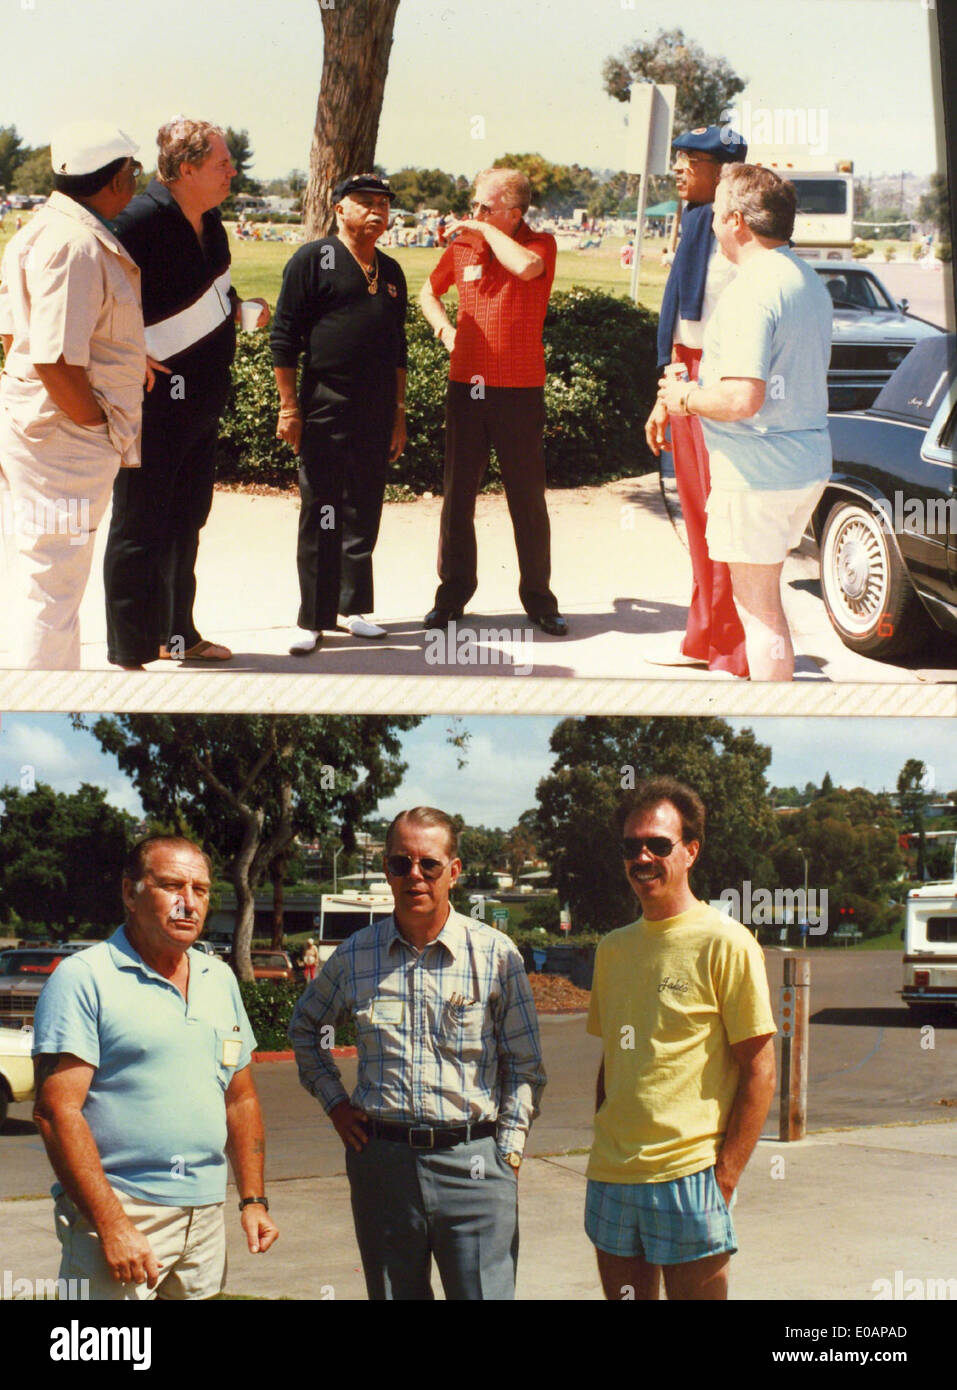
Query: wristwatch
{"points": [[514, 1161], [253, 1201]]}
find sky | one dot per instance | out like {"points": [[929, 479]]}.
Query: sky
{"points": [[531, 69], [508, 754]]}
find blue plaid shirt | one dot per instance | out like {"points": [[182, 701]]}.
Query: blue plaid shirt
{"points": [[445, 1036]]}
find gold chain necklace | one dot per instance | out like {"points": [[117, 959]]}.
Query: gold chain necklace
{"points": [[372, 276]]}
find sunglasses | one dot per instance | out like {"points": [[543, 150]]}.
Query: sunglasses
{"points": [[658, 845], [400, 865]]}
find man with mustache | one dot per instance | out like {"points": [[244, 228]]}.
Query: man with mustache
{"points": [[680, 1000], [143, 1089], [342, 304]]}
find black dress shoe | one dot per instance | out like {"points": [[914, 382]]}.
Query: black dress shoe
{"points": [[552, 623], [441, 617]]}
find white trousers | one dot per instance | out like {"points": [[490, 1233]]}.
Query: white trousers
{"points": [[55, 486]]}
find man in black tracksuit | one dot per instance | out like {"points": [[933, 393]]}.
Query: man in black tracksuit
{"points": [[174, 233], [343, 304]]}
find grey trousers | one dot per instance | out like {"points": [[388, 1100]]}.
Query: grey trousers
{"points": [[459, 1205]]}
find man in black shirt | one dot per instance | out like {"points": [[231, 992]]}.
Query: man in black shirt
{"points": [[174, 233], [343, 304]]}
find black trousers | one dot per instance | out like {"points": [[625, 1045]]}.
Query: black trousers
{"points": [[159, 510], [342, 476], [510, 420]]}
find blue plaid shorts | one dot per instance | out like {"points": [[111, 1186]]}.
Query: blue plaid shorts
{"points": [[663, 1223]]}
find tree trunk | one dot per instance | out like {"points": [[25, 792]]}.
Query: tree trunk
{"points": [[252, 822], [277, 872], [357, 37]]}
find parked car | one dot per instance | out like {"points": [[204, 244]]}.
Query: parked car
{"points": [[16, 1067], [886, 526], [273, 965], [872, 334], [23, 973]]}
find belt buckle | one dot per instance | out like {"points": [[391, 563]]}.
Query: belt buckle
{"points": [[421, 1129]]}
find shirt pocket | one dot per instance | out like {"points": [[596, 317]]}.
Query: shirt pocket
{"points": [[461, 1030], [229, 1046]]}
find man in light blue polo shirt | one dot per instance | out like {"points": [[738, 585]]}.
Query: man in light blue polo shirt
{"points": [[762, 399], [143, 1087]]}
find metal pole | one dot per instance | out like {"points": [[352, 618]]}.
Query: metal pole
{"points": [[795, 995], [640, 217]]}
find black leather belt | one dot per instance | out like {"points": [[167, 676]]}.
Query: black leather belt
{"points": [[425, 1137]]}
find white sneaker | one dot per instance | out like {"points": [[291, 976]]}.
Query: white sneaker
{"points": [[361, 627], [306, 641]]}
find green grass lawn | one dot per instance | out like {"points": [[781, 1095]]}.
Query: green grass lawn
{"points": [[258, 266]]}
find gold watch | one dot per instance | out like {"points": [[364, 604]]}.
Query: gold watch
{"points": [[514, 1161]]}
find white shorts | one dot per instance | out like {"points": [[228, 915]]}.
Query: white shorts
{"points": [[755, 526], [188, 1242]]}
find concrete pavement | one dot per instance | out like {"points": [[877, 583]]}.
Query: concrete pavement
{"points": [[620, 570], [824, 1219]]}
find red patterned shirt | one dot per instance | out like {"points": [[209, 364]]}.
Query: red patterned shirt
{"points": [[498, 334]]}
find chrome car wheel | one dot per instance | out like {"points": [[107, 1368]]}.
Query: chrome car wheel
{"points": [[868, 595]]}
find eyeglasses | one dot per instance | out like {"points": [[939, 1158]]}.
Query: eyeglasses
{"points": [[659, 845], [400, 865], [682, 166]]}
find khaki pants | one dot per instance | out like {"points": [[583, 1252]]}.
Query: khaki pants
{"points": [[54, 491], [188, 1242]]}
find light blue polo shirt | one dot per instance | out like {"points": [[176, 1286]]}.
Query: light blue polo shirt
{"points": [[772, 323], [156, 1103]]}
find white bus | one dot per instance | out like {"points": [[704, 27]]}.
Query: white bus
{"points": [[930, 946]]}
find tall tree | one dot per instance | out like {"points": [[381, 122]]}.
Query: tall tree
{"points": [[912, 798], [12, 154], [250, 783], [599, 759], [934, 205], [357, 39], [242, 155], [35, 174], [60, 857], [705, 84]]}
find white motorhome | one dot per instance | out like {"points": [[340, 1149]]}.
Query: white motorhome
{"points": [[930, 946], [342, 914], [824, 225]]}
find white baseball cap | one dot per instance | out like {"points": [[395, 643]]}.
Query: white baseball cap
{"points": [[85, 146]]}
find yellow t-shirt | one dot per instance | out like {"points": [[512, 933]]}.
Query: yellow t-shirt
{"points": [[668, 999]]}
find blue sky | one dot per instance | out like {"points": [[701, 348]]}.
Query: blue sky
{"points": [[507, 754], [530, 68]]}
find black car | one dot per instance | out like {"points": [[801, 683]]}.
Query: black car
{"points": [[886, 526], [872, 334]]}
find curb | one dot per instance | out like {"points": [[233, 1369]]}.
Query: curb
{"points": [[290, 1056]]}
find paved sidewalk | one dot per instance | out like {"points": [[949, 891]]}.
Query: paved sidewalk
{"points": [[620, 571], [843, 1213]]}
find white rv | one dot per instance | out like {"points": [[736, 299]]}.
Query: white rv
{"points": [[342, 914], [930, 946], [824, 225]]}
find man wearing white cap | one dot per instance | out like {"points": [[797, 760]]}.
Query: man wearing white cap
{"points": [[72, 386]]}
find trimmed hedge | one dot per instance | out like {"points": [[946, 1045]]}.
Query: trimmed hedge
{"points": [[602, 379], [269, 1005]]}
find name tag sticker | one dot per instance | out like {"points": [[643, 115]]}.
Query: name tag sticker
{"points": [[388, 1011], [472, 272], [232, 1048]]}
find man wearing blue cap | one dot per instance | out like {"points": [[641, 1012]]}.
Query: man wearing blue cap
{"points": [[342, 305], [713, 636]]}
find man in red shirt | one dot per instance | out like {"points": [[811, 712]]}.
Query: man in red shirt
{"points": [[503, 272]]}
